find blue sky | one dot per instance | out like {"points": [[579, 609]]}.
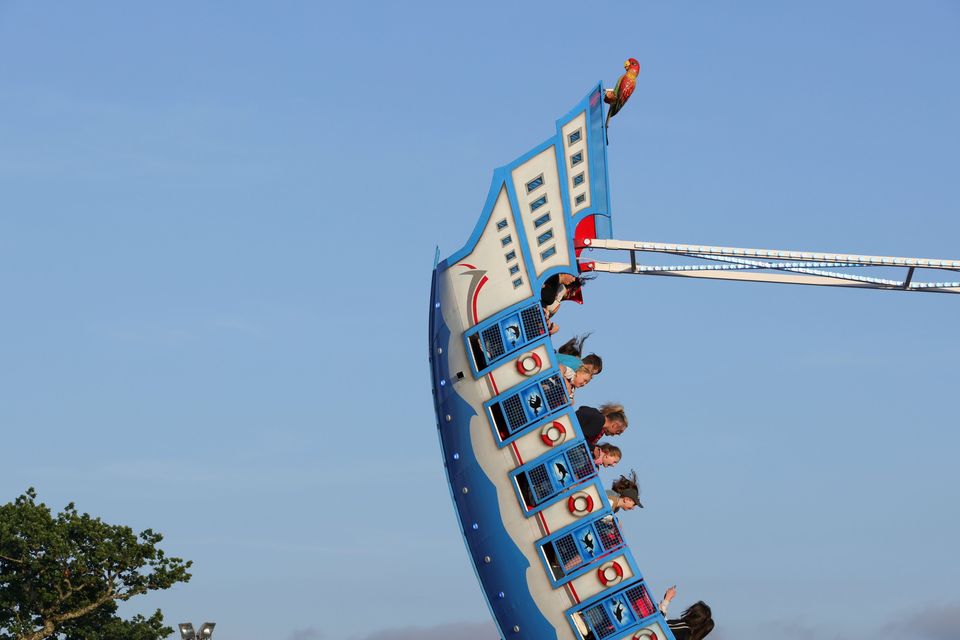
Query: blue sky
{"points": [[217, 222]]}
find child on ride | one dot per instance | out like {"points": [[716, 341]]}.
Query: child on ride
{"points": [[570, 354], [577, 371], [606, 454]]}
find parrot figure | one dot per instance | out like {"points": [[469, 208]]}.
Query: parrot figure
{"points": [[618, 96]]}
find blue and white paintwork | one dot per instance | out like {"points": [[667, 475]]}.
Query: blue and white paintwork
{"points": [[549, 556]]}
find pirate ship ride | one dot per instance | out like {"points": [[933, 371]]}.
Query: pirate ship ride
{"points": [[547, 549]]}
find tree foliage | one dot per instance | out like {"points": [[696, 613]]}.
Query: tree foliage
{"points": [[63, 576]]}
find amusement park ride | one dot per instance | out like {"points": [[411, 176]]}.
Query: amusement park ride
{"points": [[546, 547]]}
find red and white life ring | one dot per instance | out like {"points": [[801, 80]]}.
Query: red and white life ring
{"points": [[610, 573], [580, 503], [529, 363], [646, 634], [553, 434]]}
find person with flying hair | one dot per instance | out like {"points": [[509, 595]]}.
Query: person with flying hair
{"points": [[570, 354], [624, 493], [610, 420], [556, 289], [695, 623]]}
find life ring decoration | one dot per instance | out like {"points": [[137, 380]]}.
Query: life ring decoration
{"points": [[580, 504], [529, 363], [646, 634], [610, 573], [553, 434]]}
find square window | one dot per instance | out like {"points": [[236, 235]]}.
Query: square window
{"points": [[535, 183], [502, 225], [549, 253], [517, 282], [543, 237], [578, 180], [511, 255], [576, 158], [539, 202], [542, 220], [574, 137], [505, 240], [514, 270], [581, 199]]}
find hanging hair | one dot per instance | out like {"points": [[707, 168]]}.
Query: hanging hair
{"points": [[574, 346], [699, 619], [614, 412], [623, 483], [583, 279]]}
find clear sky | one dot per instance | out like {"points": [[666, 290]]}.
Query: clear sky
{"points": [[217, 222]]}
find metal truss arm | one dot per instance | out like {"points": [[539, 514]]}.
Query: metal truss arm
{"points": [[778, 266]]}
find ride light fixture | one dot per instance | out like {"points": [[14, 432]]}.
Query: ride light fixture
{"points": [[206, 631]]}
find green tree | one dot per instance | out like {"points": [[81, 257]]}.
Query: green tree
{"points": [[63, 576]]}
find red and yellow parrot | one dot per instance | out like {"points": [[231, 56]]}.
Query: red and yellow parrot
{"points": [[618, 96]]}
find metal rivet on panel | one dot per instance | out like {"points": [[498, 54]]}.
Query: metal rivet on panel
{"points": [[466, 490], [475, 526], [439, 350], [456, 456], [516, 628], [501, 595], [449, 417], [487, 559]]}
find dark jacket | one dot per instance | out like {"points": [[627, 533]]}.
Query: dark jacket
{"points": [[680, 630], [591, 423], [550, 290]]}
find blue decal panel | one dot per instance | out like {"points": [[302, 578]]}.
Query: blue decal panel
{"points": [[494, 341], [540, 481], [513, 411], [568, 554], [615, 614]]}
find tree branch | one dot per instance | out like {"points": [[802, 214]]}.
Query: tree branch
{"points": [[51, 621], [82, 611], [44, 632]]}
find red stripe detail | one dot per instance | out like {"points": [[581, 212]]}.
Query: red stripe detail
{"points": [[517, 452], [543, 522], [476, 294], [496, 390], [573, 592]]}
